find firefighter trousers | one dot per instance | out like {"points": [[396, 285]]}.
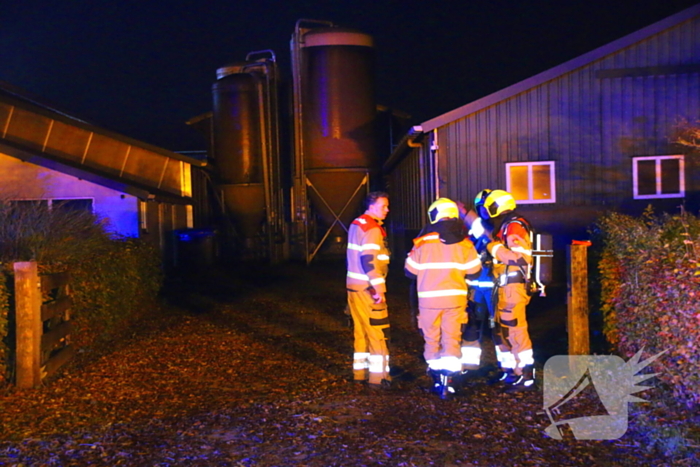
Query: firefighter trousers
{"points": [[473, 334], [371, 333], [511, 324], [442, 332]]}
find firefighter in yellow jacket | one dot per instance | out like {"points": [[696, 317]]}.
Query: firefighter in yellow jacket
{"points": [[440, 260], [511, 250], [368, 264]]}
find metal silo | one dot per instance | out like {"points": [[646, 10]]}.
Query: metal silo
{"points": [[334, 123], [246, 153]]}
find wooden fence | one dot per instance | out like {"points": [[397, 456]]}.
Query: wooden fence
{"points": [[42, 311]]}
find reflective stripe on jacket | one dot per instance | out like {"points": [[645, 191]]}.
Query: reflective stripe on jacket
{"points": [[367, 255], [440, 270]]}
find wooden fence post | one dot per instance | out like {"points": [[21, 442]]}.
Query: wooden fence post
{"points": [[29, 325], [577, 299]]}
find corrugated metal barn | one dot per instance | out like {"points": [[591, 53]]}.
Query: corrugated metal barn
{"points": [[591, 135]]}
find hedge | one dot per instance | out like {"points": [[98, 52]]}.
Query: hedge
{"points": [[113, 279], [4, 336], [650, 293]]}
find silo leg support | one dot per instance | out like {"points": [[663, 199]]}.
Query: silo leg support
{"points": [[337, 220]]}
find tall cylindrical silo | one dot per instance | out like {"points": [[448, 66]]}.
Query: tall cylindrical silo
{"points": [[337, 123], [238, 146]]}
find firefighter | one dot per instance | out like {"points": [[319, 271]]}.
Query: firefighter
{"points": [[440, 259], [368, 264], [511, 251], [480, 309]]}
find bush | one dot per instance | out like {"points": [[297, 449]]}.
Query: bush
{"points": [[113, 288], [650, 287], [4, 312], [112, 279]]}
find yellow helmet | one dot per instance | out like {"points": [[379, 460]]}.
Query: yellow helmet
{"points": [[443, 208], [499, 202]]}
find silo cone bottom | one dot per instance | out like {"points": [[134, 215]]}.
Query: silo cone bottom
{"points": [[333, 248]]}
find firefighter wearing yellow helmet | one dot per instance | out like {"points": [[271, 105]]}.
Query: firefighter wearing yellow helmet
{"points": [[441, 257], [511, 250], [480, 309]]}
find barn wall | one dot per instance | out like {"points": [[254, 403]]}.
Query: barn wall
{"points": [[411, 186], [591, 121]]}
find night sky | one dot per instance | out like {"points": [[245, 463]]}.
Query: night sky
{"points": [[142, 68]]}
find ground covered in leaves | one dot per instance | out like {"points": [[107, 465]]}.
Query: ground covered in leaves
{"points": [[252, 368]]}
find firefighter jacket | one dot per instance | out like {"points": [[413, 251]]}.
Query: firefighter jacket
{"points": [[440, 260], [367, 255], [512, 250]]}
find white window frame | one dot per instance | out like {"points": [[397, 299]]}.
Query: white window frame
{"points": [[658, 194], [530, 165]]}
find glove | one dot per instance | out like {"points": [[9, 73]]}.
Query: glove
{"points": [[376, 296], [477, 229]]}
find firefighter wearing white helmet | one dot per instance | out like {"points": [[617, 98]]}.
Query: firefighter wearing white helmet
{"points": [[441, 257], [511, 250]]}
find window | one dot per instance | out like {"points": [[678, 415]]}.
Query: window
{"points": [[658, 177], [531, 182], [73, 204], [190, 216], [29, 203], [84, 204], [143, 216]]}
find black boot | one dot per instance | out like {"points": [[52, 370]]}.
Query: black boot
{"points": [[385, 384], [503, 376], [460, 378], [524, 382], [435, 377], [447, 390]]}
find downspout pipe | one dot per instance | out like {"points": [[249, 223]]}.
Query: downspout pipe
{"points": [[434, 150]]}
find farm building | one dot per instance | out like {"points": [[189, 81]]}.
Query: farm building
{"points": [[591, 135], [52, 158]]}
